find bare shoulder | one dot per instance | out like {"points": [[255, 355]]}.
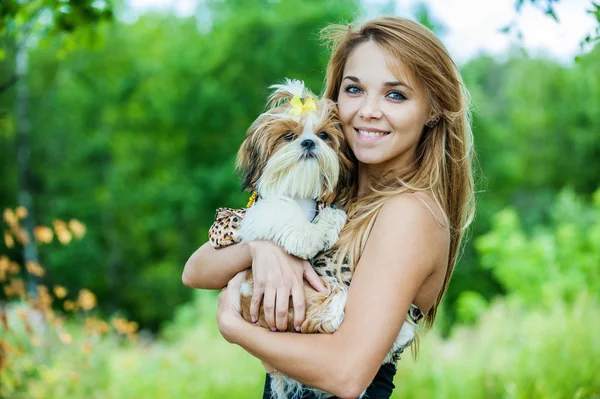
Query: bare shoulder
{"points": [[413, 225], [417, 212]]}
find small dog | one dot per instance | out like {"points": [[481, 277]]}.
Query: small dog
{"points": [[295, 158], [296, 161]]}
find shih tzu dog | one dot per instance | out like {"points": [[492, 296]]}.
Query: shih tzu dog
{"points": [[295, 160]]}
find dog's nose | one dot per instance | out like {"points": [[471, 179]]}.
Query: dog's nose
{"points": [[308, 144]]}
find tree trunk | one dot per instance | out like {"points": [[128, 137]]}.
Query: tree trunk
{"points": [[30, 251]]}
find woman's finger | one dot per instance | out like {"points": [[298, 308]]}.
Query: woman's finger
{"points": [[299, 305], [281, 308], [258, 291], [237, 280], [269, 306], [313, 278], [233, 289]]}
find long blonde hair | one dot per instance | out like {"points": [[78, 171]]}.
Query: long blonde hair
{"points": [[443, 162]]}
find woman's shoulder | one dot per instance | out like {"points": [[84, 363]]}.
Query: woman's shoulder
{"points": [[420, 209], [417, 231]]}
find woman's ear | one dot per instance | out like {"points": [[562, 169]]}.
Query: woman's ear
{"points": [[433, 120]]}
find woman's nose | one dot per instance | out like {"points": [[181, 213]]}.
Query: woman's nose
{"points": [[370, 109]]}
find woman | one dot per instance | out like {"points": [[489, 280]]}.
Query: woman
{"points": [[404, 113]]}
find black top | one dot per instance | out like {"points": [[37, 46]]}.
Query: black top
{"points": [[381, 387]]}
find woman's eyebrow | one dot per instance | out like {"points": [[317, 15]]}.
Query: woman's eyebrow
{"points": [[397, 83], [386, 84]]}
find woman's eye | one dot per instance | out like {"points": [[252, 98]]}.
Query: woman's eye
{"points": [[396, 95], [323, 135], [351, 89], [289, 136]]}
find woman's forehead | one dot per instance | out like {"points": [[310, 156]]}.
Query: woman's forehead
{"points": [[374, 65]]}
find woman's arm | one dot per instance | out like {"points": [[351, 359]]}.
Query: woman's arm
{"points": [[211, 269], [404, 248], [277, 277]]}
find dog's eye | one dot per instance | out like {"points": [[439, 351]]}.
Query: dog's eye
{"points": [[289, 136], [323, 135]]}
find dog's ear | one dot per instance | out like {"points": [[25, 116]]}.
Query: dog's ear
{"points": [[346, 186], [250, 157], [278, 99]]}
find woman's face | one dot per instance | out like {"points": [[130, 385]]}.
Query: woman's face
{"points": [[382, 114]]}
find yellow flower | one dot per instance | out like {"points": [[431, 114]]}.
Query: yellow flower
{"points": [[34, 268], [21, 236], [65, 337], [21, 212], [8, 240], [64, 236], [77, 228], [59, 291], [13, 267], [15, 288], [9, 217], [69, 305], [86, 299], [125, 327], [59, 224], [43, 234]]}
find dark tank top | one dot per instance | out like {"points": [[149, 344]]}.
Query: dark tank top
{"points": [[382, 385]]}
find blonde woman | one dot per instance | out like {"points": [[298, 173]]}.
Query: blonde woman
{"points": [[404, 113]]}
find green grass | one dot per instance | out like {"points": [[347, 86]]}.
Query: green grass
{"points": [[511, 352]]}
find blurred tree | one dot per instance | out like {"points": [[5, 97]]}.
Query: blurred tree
{"points": [[138, 139], [548, 8], [22, 23]]}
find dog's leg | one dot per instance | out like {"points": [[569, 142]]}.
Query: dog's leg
{"points": [[265, 219], [308, 239], [324, 311], [281, 220], [329, 223]]}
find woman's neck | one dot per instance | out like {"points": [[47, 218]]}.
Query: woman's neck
{"points": [[368, 173]]}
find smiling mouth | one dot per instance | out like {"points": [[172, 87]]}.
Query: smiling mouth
{"points": [[366, 133]]}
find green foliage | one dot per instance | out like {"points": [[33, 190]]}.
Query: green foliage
{"points": [[511, 352], [24, 24], [535, 132], [200, 363], [138, 138], [58, 15], [557, 261]]}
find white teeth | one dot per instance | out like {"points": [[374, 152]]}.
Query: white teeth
{"points": [[371, 134]]}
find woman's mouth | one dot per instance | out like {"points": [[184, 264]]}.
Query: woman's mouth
{"points": [[370, 135]]}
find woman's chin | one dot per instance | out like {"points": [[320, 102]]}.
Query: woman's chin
{"points": [[369, 157]]}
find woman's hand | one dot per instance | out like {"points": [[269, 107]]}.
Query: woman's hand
{"points": [[228, 313], [277, 276]]}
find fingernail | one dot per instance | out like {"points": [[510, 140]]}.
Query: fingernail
{"points": [[298, 328], [273, 329], [254, 319]]}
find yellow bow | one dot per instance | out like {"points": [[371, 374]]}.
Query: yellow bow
{"points": [[298, 107]]}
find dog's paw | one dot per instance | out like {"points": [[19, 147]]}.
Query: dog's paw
{"points": [[306, 251], [331, 220]]}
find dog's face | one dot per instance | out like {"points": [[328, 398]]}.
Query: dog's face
{"points": [[296, 148]]}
